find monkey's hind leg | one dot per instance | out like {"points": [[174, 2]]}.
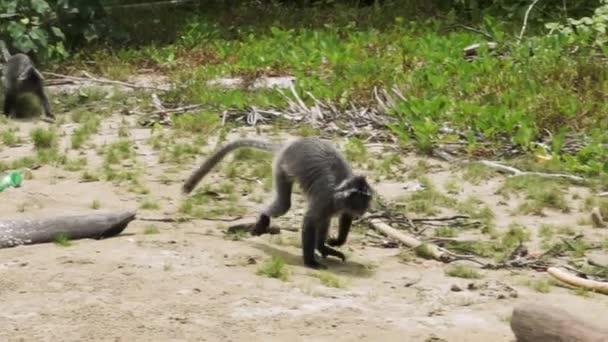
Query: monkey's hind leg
{"points": [[9, 103], [281, 203], [309, 239]]}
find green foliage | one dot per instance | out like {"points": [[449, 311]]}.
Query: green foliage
{"points": [[591, 30], [44, 138], [461, 271], [40, 26], [274, 268]]}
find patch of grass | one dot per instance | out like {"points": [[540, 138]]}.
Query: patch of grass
{"points": [[538, 285], [181, 153], [76, 164], [237, 235], [476, 209], [96, 204], [407, 256], [462, 271], [446, 232], [475, 173], [427, 200], [149, 204], [89, 125], [421, 169], [151, 229], [9, 137], [328, 279], [44, 138], [452, 186], [88, 176], [307, 131], [203, 123], [423, 251], [201, 205], [594, 201], [581, 292], [274, 268], [540, 193], [62, 239], [516, 234], [355, 150]]}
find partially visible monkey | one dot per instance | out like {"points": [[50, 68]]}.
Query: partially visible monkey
{"points": [[21, 76], [325, 178]]}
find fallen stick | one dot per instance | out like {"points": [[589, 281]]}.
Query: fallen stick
{"points": [[536, 321], [98, 80], [407, 240], [517, 172], [588, 284], [597, 219], [90, 226], [447, 218], [431, 249]]}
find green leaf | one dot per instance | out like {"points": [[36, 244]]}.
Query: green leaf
{"points": [[58, 33]]}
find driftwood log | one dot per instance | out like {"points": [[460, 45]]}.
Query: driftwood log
{"points": [[537, 321], [573, 280], [31, 231]]}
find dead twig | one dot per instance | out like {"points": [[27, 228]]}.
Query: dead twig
{"points": [[447, 218], [516, 172], [103, 81], [525, 24]]}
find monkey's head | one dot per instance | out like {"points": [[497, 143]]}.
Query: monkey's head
{"points": [[354, 195]]}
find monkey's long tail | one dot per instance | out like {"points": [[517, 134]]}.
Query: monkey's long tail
{"points": [[218, 155]]}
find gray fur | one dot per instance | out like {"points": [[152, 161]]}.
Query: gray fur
{"points": [[21, 76], [325, 178]]}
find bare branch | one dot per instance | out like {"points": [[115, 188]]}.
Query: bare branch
{"points": [[517, 172], [525, 24]]}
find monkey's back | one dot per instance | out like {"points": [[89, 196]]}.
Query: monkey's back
{"points": [[21, 75], [315, 164]]}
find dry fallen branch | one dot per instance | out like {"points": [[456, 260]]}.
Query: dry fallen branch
{"points": [[537, 321], [103, 81], [432, 250], [517, 172], [597, 219], [588, 284], [525, 24], [447, 218]]}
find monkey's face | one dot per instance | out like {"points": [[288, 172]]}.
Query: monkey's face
{"points": [[356, 195]]}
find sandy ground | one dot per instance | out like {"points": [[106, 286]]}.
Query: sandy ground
{"points": [[189, 283]]}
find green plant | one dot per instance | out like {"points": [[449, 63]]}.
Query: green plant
{"points": [[328, 279], [462, 271], [274, 268], [151, 229], [44, 138], [62, 239]]}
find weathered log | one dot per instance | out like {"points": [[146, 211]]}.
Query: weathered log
{"points": [[87, 226], [570, 279], [536, 321]]}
